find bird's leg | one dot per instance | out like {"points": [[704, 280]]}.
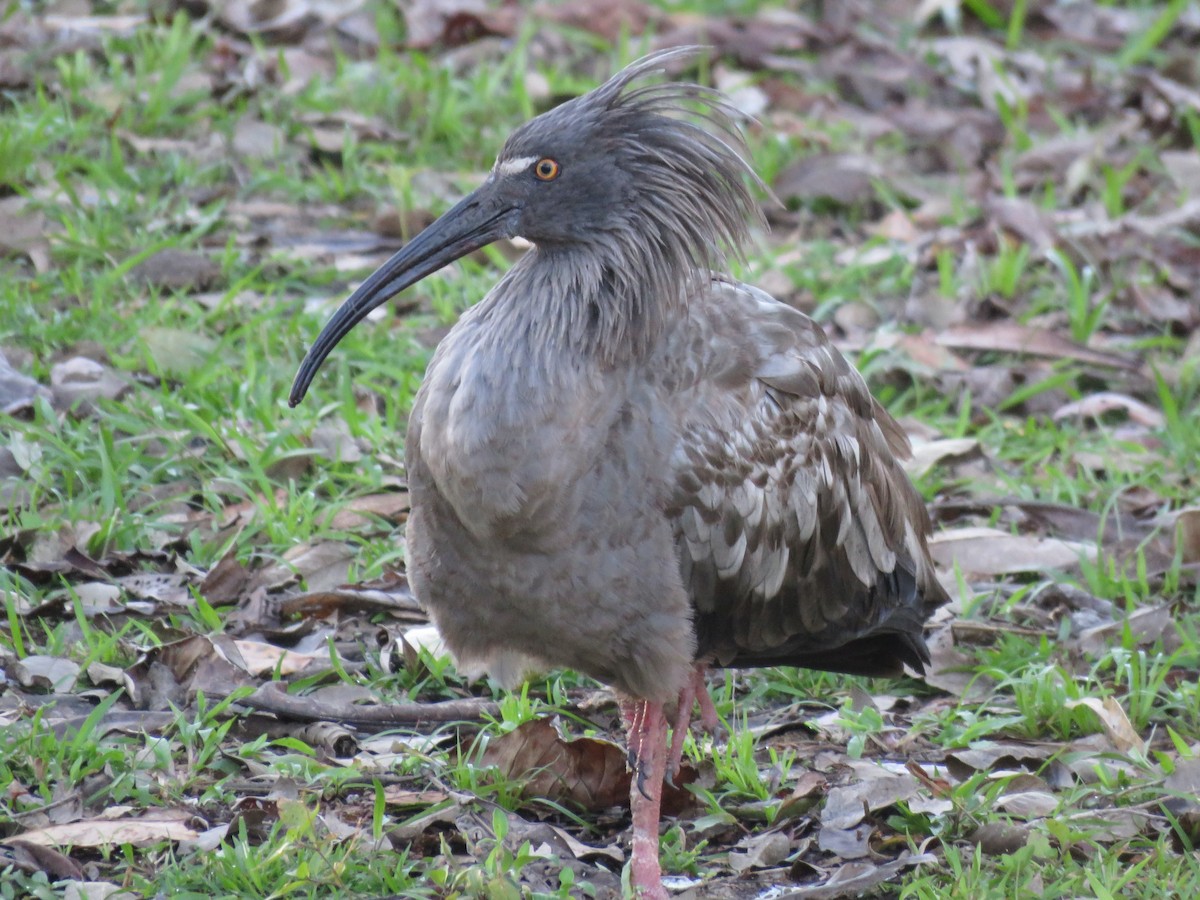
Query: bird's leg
{"points": [[695, 691], [647, 726], [679, 727], [709, 720]]}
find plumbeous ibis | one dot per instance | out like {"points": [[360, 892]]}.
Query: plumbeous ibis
{"points": [[624, 462]]}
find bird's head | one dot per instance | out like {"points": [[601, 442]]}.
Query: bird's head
{"points": [[649, 183]]}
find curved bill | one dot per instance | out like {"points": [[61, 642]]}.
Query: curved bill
{"points": [[469, 225]]}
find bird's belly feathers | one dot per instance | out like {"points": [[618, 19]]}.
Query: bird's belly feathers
{"points": [[514, 536]]}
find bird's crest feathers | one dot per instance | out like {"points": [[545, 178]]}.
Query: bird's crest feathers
{"points": [[690, 202]]}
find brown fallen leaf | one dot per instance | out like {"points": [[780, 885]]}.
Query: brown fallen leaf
{"points": [[1118, 823], [399, 603], [581, 850], [846, 806], [226, 581], [261, 658], [609, 20], [847, 179], [760, 851], [1147, 625], [328, 737], [23, 232], [198, 663], [1058, 519], [1100, 404], [927, 454], [989, 551], [1024, 219], [324, 566], [17, 390], [1000, 838], [954, 671], [588, 773], [1000, 755], [333, 440], [112, 829], [280, 21], [1012, 337], [355, 514], [855, 879], [1114, 721], [80, 379], [30, 857], [45, 673], [1028, 804], [1187, 534], [398, 796]]}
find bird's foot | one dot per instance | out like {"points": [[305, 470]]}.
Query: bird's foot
{"points": [[634, 715]]}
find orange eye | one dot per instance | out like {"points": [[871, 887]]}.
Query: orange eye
{"points": [[546, 169]]}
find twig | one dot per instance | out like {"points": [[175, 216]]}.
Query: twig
{"points": [[271, 697]]}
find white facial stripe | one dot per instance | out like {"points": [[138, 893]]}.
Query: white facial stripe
{"points": [[513, 166]]}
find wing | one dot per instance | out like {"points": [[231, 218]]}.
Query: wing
{"points": [[800, 537]]}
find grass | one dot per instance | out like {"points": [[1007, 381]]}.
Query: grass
{"points": [[125, 151]]}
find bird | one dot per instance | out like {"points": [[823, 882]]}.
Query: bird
{"points": [[623, 461]]}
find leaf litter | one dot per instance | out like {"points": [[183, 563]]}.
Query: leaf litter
{"points": [[1104, 213]]}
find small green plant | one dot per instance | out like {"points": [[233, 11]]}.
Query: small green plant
{"points": [[863, 721], [676, 855], [1003, 274], [1085, 311], [499, 873], [1116, 179]]}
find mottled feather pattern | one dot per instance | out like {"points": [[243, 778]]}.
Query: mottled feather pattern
{"points": [[797, 530]]}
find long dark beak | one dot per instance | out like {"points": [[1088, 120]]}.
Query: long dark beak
{"points": [[476, 221]]}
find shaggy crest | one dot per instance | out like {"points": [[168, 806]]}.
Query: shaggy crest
{"points": [[686, 209]]}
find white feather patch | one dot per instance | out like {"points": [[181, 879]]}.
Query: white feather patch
{"points": [[513, 166]]}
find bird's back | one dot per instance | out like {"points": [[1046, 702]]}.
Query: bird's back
{"points": [[800, 538]]}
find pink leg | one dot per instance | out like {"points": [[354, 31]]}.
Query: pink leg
{"points": [[709, 720], [648, 733], [695, 691], [679, 726]]}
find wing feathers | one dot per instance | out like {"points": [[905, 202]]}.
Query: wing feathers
{"points": [[799, 530]]}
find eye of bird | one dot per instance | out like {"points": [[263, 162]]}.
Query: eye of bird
{"points": [[546, 169]]}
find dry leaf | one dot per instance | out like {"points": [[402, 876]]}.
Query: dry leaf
{"points": [[1011, 337], [261, 659], [588, 773], [1115, 722], [989, 551], [846, 806], [847, 179], [52, 674], [113, 830], [927, 454], [81, 379], [173, 269], [1100, 404], [17, 390], [1028, 804]]}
